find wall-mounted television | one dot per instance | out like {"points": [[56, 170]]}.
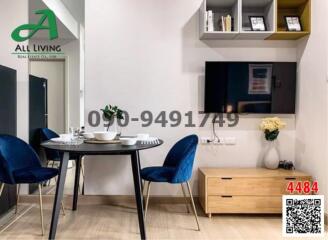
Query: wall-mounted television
{"points": [[250, 87]]}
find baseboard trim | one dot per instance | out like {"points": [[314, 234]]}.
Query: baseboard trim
{"points": [[110, 200], [103, 199]]}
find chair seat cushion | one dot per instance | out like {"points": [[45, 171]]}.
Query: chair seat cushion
{"points": [[34, 175], [157, 174]]}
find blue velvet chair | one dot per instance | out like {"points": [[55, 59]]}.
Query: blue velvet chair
{"points": [[177, 169], [53, 155], [47, 134], [19, 164]]}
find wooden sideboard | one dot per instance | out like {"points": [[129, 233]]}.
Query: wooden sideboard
{"points": [[247, 190]]}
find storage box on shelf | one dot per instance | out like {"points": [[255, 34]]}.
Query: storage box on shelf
{"points": [[273, 12], [249, 190]]}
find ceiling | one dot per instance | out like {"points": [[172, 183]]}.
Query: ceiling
{"points": [[63, 32]]}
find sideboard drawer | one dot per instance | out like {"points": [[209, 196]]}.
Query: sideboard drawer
{"points": [[249, 186], [245, 204]]}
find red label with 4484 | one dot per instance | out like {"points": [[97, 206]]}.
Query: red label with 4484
{"points": [[302, 187]]}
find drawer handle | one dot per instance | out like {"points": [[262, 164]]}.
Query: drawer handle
{"points": [[226, 178], [226, 196], [290, 178]]}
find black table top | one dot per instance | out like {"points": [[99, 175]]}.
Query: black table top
{"points": [[99, 149]]}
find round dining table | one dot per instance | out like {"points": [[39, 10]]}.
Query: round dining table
{"points": [[85, 149]]}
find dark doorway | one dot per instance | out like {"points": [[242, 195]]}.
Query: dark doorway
{"points": [[8, 124], [38, 114]]}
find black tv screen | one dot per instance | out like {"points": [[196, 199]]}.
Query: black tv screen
{"points": [[250, 87]]}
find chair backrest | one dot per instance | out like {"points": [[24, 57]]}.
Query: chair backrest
{"points": [[15, 154], [181, 157], [46, 135]]}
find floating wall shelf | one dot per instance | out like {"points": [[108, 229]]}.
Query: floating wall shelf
{"points": [[273, 12]]}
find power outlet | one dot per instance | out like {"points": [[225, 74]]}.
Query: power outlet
{"points": [[206, 140], [230, 141], [219, 141]]}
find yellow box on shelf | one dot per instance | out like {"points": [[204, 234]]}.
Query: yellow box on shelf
{"points": [[300, 8]]}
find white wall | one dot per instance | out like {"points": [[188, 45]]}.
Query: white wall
{"points": [[72, 51], [7, 46], [82, 73], [312, 107], [146, 55]]}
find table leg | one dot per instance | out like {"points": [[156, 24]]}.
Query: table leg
{"points": [[77, 182], [135, 162], [59, 195]]}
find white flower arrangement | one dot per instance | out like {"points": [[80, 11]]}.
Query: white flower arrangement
{"points": [[271, 127]]}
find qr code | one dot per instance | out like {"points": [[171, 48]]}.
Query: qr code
{"points": [[303, 215]]}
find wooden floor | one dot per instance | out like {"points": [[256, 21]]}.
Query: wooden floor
{"points": [[165, 221]]}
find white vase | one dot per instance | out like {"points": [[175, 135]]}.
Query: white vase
{"points": [[271, 156]]}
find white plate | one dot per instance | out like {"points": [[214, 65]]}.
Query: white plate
{"points": [[60, 140], [128, 141]]}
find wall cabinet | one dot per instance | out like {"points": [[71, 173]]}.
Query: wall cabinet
{"points": [[273, 11]]}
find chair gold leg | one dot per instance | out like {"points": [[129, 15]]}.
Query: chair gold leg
{"points": [[143, 193], [2, 185], [17, 198], [185, 198], [63, 208], [193, 205], [82, 172], [147, 199], [41, 208], [82, 168]]}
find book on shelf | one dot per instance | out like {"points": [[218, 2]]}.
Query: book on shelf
{"points": [[223, 24], [210, 21], [226, 24]]}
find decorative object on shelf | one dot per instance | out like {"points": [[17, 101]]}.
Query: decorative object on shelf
{"points": [[257, 23], [271, 127], [293, 23], [110, 113], [288, 165]]}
